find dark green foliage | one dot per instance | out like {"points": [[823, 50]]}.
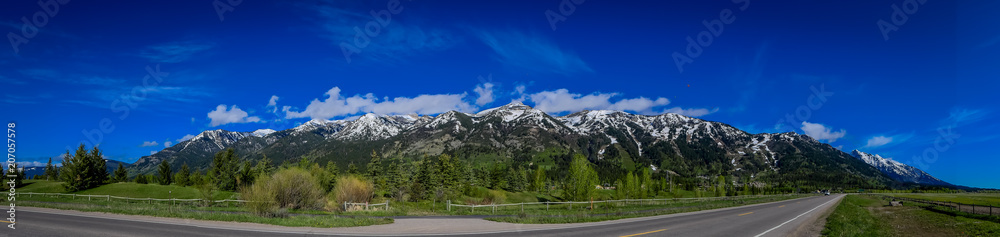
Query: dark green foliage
{"points": [[165, 176], [223, 171], [18, 176], [142, 179], [121, 174], [352, 169], [51, 171], [183, 177], [84, 170]]}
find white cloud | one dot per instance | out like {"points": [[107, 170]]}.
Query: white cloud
{"points": [[562, 100], [153, 152], [336, 105], [820, 132], [167, 143], [273, 103], [149, 143], [185, 138], [691, 112], [485, 92], [222, 116], [878, 141]]}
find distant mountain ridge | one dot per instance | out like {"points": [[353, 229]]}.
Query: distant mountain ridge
{"points": [[613, 140], [898, 171]]}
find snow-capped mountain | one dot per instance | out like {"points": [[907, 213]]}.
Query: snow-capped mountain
{"points": [[898, 171], [613, 140]]}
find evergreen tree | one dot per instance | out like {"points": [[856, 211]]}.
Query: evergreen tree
{"points": [[353, 169], [246, 174], [51, 171], [121, 174], [263, 166], [223, 171], [164, 173], [375, 173], [184, 176], [141, 179], [396, 182], [332, 173], [84, 170]]}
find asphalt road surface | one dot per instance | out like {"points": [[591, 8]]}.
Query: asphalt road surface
{"points": [[781, 218]]}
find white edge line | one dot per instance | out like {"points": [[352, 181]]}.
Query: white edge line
{"points": [[796, 217]]}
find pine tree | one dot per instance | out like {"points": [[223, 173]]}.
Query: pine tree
{"points": [[84, 170], [353, 169], [646, 183], [164, 173], [374, 172], [121, 175], [51, 172], [183, 176], [332, 173], [223, 171], [15, 175]]}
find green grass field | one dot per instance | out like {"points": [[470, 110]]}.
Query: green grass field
{"points": [[982, 199], [860, 215]]}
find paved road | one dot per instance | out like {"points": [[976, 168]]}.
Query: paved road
{"points": [[770, 219]]}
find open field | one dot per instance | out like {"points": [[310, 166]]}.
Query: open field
{"points": [[982, 199], [860, 215]]}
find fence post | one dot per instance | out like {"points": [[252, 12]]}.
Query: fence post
{"points": [[546, 205], [345, 205], [109, 198], [449, 204], [522, 207], [88, 198], [494, 206]]}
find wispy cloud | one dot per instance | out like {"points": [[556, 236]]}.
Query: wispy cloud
{"points": [[340, 22], [149, 144], [878, 141], [821, 132], [175, 52], [532, 52]]}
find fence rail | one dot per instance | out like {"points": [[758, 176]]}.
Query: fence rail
{"points": [[967, 208], [625, 202]]}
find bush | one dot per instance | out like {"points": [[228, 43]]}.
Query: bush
{"points": [[350, 188], [292, 188]]}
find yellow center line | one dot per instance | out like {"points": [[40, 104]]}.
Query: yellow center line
{"points": [[748, 213], [781, 206], [643, 233], [7, 221]]}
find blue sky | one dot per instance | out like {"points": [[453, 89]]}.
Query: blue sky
{"points": [[153, 73]]}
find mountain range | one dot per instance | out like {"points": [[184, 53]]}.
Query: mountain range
{"points": [[614, 141]]}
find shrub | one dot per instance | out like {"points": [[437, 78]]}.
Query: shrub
{"points": [[350, 188], [292, 188]]}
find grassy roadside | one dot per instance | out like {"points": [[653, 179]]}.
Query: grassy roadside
{"points": [[859, 215], [615, 213], [187, 210], [206, 213]]}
